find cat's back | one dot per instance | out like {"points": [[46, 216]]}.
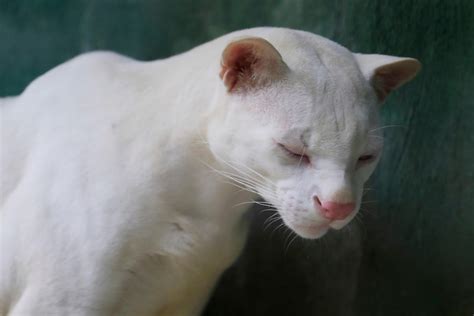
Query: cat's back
{"points": [[75, 106], [76, 86]]}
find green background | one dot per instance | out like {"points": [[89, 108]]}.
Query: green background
{"points": [[413, 251]]}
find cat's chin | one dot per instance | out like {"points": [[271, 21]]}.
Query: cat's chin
{"points": [[310, 231]]}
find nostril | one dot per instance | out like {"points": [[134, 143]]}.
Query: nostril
{"points": [[317, 200]]}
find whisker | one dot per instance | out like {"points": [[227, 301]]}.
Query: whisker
{"points": [[271, 219], [288, 235], [291, 241], [291, 233], [271, 216], [271, 222], [268, 210], [262, 203], [250, 180], [386, 126], [241, 187], [243, 172], [246, 182], [273, 232], [254, 172]]}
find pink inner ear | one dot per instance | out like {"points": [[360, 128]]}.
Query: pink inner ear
{"points": [[385, 83], [238, 61], [392, 76], [249, 62]]}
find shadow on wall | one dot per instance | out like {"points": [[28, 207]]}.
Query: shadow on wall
{"points": [[413, 254]]}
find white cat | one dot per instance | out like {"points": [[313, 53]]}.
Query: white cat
{"points": [[121, 180]]}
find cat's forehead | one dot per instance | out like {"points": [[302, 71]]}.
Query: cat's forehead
{"points": [[323, 100], [326, 134], [328, 115], [327, 104]]}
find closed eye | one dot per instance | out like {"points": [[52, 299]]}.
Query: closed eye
{"points": [[366, 158], [301, 156]]}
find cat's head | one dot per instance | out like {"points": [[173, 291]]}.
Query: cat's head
{"points": [[299, 125]]}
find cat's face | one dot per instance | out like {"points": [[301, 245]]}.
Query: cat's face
{"points": [[306, 141]]}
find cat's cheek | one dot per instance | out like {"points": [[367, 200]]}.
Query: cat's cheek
{"points": [[364, 171]]}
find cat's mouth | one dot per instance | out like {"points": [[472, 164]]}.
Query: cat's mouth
{"points": [[309, 229], [312, 231]]}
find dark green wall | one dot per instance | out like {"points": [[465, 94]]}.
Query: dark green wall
{"points": [[413, 251]]}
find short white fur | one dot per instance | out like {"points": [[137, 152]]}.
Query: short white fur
{"points": [[124, 183]]}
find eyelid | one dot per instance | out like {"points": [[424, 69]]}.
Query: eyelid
{"points": [[301, 155], [292, 149], [367, 158]]}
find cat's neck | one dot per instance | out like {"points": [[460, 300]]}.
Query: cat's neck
{"points": [[198, 186]]}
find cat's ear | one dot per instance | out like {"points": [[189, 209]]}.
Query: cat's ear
{"points": [[250, 63], [387, 73]]}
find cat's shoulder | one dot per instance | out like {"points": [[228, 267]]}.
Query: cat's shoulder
{"points": [[86, 67], [98, 61], [95, 60]]}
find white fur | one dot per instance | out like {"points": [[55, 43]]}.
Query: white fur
{"points": [[113, 199]]}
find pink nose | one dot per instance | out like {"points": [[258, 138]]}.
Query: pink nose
{"points": [[333, 210]]}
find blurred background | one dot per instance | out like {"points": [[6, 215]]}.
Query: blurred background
{"points": [[412, 252]]}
